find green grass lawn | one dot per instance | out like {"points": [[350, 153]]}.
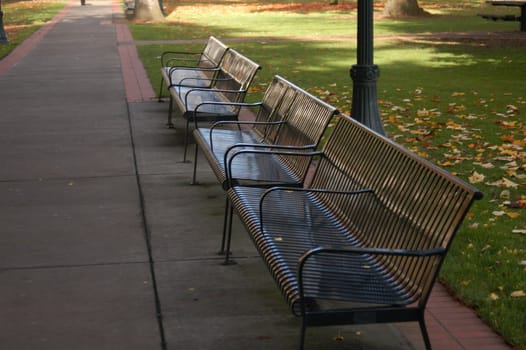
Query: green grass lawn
{"points": [[23, 18], [458, 103]]}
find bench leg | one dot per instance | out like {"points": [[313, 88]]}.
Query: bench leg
{"points": [[195, 165], [227, 233], [186, 137], [423, 329], [169, 123], [159, 99], [302, 335], [225, 224]]}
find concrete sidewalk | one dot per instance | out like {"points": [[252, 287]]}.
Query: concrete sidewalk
{"points": [[105, 245]]}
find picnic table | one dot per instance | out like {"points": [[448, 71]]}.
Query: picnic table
{"points": [[513, 3]]}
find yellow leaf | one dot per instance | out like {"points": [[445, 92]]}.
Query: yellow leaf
{"points": [[493, 296], [518, 294], [476, 178], [504, 183], [513, 214]]}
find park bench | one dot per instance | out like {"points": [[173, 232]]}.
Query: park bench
{"points": [[129, 8], [178, 66], [210, 99], [364, 241], [289, 119], [507, 18], [509, 3]]}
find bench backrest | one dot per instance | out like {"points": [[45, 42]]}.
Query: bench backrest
{"points": [[305, 123], [236, 73], [274, 106], [415, 204], [213, 53]]}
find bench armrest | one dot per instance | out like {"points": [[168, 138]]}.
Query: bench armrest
{"points": [[205, 103], [243, 122], [239, 123], [234, 104], [164, 55], [263, 150], [196, 68], [354, 250], [183, 82]]}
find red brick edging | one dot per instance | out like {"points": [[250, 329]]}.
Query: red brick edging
{"points": [[21, 50]]}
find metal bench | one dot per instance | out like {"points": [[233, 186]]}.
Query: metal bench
{"points": [[129, 8], [288, 120], [365, 240], [178, 66], [288, 117], [506, 18], [210, 99]]}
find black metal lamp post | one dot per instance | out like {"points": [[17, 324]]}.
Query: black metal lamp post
{"points": [[365, 73], [3, 36]]}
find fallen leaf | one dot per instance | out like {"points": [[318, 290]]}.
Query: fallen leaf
{"points": [[522, 232], [518, 294], [503, 183], [476, 178], [485, 165], [493, 296]]}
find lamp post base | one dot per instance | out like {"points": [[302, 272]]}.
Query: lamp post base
{"points": [[364, 99]]}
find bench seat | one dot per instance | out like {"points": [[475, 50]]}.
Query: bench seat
{"points": [[298, 224], [203, 101]]}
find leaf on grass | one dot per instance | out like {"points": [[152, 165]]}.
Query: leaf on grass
{"points": [[503, 183], [513, 214], [493, 296], [499, 213], [445, 164], [476, 177], [485, 165], [522, 232], [518, 294], [519, 203]]}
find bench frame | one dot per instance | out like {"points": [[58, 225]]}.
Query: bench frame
{"points": [[174, 62], [211, 99], [289, 120], [372, 227]]}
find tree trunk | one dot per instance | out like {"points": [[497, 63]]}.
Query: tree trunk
{"points": [[403, 8], [148, 10]]}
